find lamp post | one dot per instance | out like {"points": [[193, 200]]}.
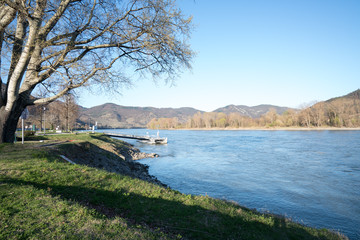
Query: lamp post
{"points": [[23, 116], [44, 121]]}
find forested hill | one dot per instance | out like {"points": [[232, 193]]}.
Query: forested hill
{"points": [[336, 112], [252, 112], [341, 111], [116, 116]]}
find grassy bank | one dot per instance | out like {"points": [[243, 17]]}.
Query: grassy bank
{"points": [[42, 197]]}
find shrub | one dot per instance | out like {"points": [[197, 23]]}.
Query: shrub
{"points": [[29, 133]]}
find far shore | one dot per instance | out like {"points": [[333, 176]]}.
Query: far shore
{"points": [[270, 129]]}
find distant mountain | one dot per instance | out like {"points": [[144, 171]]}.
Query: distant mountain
{"points": [[116, 116], [338, 111], [253, 112]]}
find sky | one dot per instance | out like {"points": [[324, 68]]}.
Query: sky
{"points": [[281, 52]]}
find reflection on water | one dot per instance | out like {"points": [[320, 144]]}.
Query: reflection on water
{"points": [[310, 176]]}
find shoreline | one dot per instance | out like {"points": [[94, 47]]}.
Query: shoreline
{"points": [[111, 196], [267, 129]]}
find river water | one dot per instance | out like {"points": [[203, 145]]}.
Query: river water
{"points": [[312, 177]]}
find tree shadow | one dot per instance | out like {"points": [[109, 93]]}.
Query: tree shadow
{"points": [[33, 138], [173, 216]]}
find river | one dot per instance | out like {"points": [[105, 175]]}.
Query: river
{"points": [[312, 177]]}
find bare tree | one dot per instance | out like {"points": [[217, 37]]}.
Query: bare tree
{"points": [[64, 44], [209, 119], [270, 117], [221, 120], [38, 116], [197, 120], [69, 112], [318, 114], [305, 115], [290, 118], [53, 113]]}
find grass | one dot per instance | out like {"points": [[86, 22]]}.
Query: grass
{"points": [[44, 197]]}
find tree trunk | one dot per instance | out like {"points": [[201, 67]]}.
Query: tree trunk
{"points": [[8, 123]]}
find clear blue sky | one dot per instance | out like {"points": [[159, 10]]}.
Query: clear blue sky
{"points": [[280, 52]]}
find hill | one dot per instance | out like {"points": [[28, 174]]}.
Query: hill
{"points": [[253, 112], [336, 112], [341, 111], [353, 95], [116, 116]]}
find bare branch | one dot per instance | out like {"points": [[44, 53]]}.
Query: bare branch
{"points": [[18, 43], [65, 44], [72, 86], [54, 19], [7, 15]]}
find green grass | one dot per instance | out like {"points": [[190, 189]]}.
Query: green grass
{"points": [[44, 197]]}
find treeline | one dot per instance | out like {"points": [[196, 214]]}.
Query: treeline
{"points": [[342, 112], [61, 115]]}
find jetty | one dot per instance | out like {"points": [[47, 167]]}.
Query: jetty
{"points": [[145, 139]]}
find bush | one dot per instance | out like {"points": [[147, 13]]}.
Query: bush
{"points": [[29, 133]]}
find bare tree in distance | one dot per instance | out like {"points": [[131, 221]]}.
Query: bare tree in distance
{"points": [[69, 112], [61, 45]]}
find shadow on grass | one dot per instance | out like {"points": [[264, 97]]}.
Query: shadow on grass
{"points": [[33, 138], [173, 216]]}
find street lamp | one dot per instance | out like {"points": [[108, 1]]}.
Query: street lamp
{"points": [[44, 121]]}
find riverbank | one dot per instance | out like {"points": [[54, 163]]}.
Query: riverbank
{"points": [[270, 129], [43, 196]]}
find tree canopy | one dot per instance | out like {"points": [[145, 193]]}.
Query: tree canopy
{"points": [[60, 45]]}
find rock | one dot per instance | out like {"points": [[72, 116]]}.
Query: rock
{"points": [[137, 155]]}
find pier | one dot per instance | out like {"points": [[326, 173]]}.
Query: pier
{"points": [[146, 139]]}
